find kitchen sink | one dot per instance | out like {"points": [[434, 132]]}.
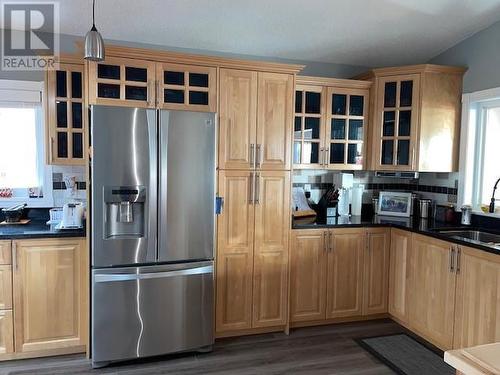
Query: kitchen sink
{"points": [[474, 236]]}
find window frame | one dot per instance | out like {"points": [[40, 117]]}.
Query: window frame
{"points": [[474, 107], [19, 93]]}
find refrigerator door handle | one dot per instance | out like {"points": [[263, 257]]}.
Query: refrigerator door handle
{"points": [[153, 275], [250, 187]]}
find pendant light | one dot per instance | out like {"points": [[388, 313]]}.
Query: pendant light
{"points": [[94, 45]]}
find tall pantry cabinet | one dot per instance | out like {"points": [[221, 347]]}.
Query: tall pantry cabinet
{"points": [[256, 109]]}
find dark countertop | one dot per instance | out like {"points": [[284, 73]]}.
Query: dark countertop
{"points": [[37, 229], [426, 227]]}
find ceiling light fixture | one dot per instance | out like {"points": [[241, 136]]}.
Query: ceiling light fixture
{"points": [[94, 45]]}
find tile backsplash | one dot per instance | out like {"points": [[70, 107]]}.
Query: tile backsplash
{"points": [[62, 178], [440, 187]]}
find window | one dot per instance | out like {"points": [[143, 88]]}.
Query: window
{"points": [[22, 153], [480, 148]]}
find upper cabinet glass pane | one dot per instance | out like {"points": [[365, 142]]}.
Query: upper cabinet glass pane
{"points": [[339, 104], [338, 128], [77, 113], [297, 129], [355, 130], [61, 90], [173, 78], [403, 157], [389, 124], [62, 114], [311, 152], [198, 79], [136, 74], [313, 102], [296, 152], [198, 97], [298, 101], [387, 152], [405, 94], [404, 123], [76, 85], [390, 94], [136, 93], [356, 105], [311, 128], [108, 71]]}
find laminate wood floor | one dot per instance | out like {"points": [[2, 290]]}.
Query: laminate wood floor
{"points": [[316, 350]]}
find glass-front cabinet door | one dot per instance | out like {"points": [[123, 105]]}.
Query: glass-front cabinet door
{"points": [[186, 87], [65, 115], [308, 150], [119, 81], [397, 116], [346, 122]]}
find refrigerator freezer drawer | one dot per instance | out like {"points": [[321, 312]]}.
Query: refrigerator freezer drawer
{"points": [[147, 311]]}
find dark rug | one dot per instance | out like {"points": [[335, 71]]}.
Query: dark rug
{"points": [[405, 355]]}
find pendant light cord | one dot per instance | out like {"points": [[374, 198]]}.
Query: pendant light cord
{"points": [[93, 15]]}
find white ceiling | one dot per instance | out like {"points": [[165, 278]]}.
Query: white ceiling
{"points": [[357, 32]]}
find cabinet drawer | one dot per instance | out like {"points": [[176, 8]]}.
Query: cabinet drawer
{"points": [[6, 332], [5, 252], [5, 287]]}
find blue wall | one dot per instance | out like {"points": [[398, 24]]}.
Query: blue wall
{"points": [[481, 54]]}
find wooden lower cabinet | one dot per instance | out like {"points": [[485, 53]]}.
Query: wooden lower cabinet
{"points": [[6, 332], [432, 301], [252, 253], [50, 286], [308, 275], [477, 310], [399, 274], [345, 273], [234, 278], [376, 271], [270, 265]]}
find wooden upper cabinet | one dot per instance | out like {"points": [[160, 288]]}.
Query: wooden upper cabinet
{"points": [[345, 273], [331, 122], [235, 243], [477, 311], [308, 275], [65, 114], [309, 126], [122, 82], [186, 87], [399, 274], [376, 271], [50, 294], [272, 227], [432, 290], [238, 119], [274, 121], [415, 118]]}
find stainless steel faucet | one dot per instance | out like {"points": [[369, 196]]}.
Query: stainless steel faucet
{"points": [[492, 202]]}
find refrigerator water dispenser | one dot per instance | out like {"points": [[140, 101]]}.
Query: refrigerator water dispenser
{"points": [[124, 215]]}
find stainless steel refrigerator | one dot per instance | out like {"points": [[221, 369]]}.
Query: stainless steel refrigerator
{"points": [[152, 230]]}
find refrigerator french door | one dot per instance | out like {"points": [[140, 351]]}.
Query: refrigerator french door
{"points": [[152, 220]]}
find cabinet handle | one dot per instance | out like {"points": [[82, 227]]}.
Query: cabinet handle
{"points": [[452, 259], [250, 188], [330, 242], [252, 155], [321, 156], [257, 188], [459, 258], [326, 158], [259, 155], [325, 241]]}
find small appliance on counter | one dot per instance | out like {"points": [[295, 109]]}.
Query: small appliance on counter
{"points": [[425, 208], [357, 199], [72, 216], [445, 213], [466, 215], [14, 214], [328, 204]]}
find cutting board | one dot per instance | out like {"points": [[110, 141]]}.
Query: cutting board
{"points": [[20, 222], [486, 356]]}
